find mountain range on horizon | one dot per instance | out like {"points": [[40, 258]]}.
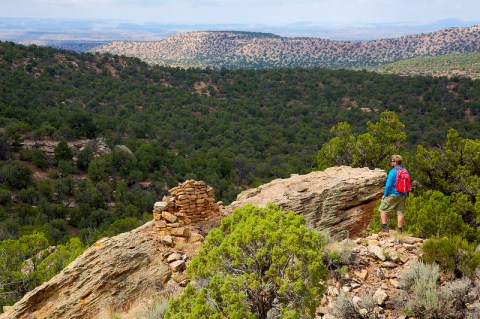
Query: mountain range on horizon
{"points": [[53, 31]]}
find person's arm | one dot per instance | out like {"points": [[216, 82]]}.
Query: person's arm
{"points": [[390, 181]]}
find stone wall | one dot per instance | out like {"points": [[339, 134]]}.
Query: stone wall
{"points": [[187, 204]]}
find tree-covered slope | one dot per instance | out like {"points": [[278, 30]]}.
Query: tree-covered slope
{"points": [[265, 123], [460, 65], [236, 50], [232, 128]]}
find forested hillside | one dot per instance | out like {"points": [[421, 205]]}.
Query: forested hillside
{"points": [[460, 65], [236, 50], [233, 129]]}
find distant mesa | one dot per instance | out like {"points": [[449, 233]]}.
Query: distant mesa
{"points": [[236, 50]]}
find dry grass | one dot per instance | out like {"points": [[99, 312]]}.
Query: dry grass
{"points": [[151, 305]]}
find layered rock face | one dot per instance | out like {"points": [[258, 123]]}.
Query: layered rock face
{"points": [[98, 145], [110, 273], [339, 199], [116, 272]]}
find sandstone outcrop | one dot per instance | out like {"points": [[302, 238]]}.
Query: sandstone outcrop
{"points": [[339, 199], [116, 272], [98, 145], [111, 273]]}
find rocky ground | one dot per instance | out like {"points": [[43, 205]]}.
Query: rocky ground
{"points": [[374, 269], [122, 272], [372, 282]]}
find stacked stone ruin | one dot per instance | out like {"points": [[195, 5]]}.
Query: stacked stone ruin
{"points": [[187, 204]]}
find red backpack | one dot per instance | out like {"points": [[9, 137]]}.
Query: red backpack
{"points": [[403, 183]]}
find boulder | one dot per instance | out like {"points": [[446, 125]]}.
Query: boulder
{"points": [[113, 272], [340, 200], [380, 297]]}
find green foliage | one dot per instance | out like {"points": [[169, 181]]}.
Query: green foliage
{"points": [[337, 256], [454, 255], [100, 168], [84, 157], [63, 152], [452, 168], [4, 147], [64, 187], [435, 214], [344, 307], [121, 226], [16, 175], [39, 159], [66, 167], [29, 195], [5, 197], [26, 263], [44, 188], [157, 309], [13, 254], [59, 259], [370, 149], [467, 63], [259, 260], [423, 298]]}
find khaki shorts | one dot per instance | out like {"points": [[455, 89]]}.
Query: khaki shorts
{"points": [[393, 203]]}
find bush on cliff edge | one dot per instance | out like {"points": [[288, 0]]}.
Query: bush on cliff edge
{"points": [[259, 261]]}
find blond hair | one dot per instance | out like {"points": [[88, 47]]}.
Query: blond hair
{"points": [[397, 159]]}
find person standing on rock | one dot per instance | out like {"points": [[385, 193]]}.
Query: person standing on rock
{"points": [[396, 191]]}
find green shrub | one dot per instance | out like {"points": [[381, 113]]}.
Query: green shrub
{"points": [[434, 214], [84, 157], [66, 167], [422, 297], [344, 307], [370, 149], [120, 226], [5, 197], [59, 259], [259, 259], [16, 175], [158, 309], [29, 195], [25, 155], [337, 255], [454, 255], [44, 189], [63, 152], [39, 159]]}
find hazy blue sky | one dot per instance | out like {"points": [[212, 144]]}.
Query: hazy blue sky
{"points": [[270, 12]]}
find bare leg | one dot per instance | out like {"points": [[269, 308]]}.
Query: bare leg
{"points": [[400, 221], [383, 217]]}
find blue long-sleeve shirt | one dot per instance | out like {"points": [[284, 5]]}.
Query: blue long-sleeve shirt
{"points": [[390, 184]]}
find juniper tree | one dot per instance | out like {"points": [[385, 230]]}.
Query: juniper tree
{"points": [[259, 261], [370, 149]]}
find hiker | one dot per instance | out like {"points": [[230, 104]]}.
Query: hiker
{"points": [[396, 191]]}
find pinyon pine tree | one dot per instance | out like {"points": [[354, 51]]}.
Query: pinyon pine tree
{"points": [[259, 261]]}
